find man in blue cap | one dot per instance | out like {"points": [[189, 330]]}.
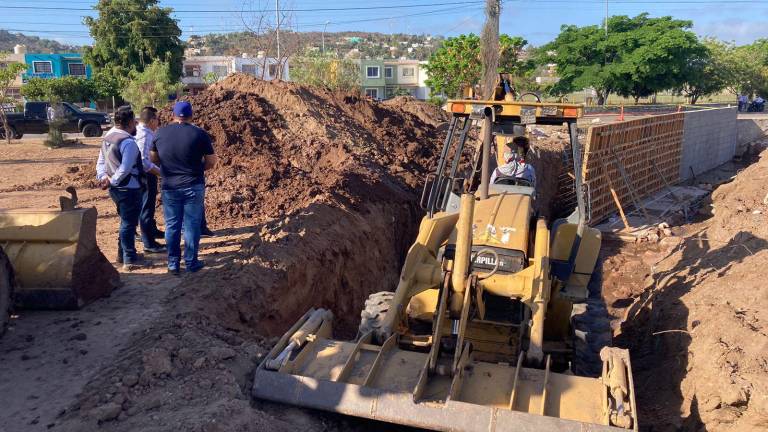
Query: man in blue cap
{"points": [[184, 152]]}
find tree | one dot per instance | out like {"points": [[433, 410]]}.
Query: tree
{"points": [[270, 32], [639, 57], [151, 87], [457, 63], [8, 74], [749, 68], [66, 89], [325, 70], [707, 74], [106, 85], [130, 35]]}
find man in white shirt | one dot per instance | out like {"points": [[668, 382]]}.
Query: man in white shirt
{"points": [[121, 169], [145, 134], [515, 167]]}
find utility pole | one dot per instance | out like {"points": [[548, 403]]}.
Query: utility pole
{"points": [[489, 54], [489, 47], [277, 28], [606, 18], [326, 25]]}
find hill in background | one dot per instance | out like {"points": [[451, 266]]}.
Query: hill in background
{"points": [[34, 44], [356, 44]]}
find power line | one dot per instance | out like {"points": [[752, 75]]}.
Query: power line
{"points": [[331, 9], [86, 33]]}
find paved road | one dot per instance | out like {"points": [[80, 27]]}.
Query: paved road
{"points": [[753, 116], [41, 137]]}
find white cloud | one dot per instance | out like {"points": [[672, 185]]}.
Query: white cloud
{"points": [[733, 29]]}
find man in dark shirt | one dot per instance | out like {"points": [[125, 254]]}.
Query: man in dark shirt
{"points": [[184, 152]]}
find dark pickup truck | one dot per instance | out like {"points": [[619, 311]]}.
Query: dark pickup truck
{"points": [[34, 120]]}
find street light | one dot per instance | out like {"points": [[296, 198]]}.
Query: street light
{"points": [[326, 25]]}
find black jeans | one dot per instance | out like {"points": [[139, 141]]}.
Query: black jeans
{"points": [[128, 202], [147, 221]]}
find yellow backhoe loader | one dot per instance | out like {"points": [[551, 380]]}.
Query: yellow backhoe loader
{"points": [[478, 335], [49, 258]]}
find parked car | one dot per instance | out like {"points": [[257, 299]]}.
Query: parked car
{"points": [[34, 120]]}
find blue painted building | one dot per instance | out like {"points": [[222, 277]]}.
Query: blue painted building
{"points": [[55, 66]]}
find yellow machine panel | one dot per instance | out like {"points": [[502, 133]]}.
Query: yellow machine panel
{"points": [[539, 112], [54, 254], [585, 259], [502, 220]]}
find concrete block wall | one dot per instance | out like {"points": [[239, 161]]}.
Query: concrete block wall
{"points": [[750, 128], [709, 140]]}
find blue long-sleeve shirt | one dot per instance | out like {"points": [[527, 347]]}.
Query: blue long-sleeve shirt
{"points": [[129, 151]]}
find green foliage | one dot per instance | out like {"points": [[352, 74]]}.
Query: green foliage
{"points": [[210, 78], [399, 91], [325, 70], [640, 56], [68, 88], [457, 63], [55, 137], [129, 35], [107, 85], [36, 89], [437, 100], [749, 68], [8, 74], [152, 86], [708, 73]]}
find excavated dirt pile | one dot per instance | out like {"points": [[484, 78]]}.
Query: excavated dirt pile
{"points": [[428, 113], [329, 182], [698, 331], [283, 146]]}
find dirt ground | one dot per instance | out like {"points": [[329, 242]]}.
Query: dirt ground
{"points": [[692, 311], [46, 358], [315, 205]]}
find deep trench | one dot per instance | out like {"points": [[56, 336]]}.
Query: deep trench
{"points": [[329, 257]]}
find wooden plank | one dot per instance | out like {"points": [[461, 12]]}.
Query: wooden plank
{"points": [[615, 197]]}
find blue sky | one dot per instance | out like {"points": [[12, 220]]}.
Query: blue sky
{"points": [[538, 21]]}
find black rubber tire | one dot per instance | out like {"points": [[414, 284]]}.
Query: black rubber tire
{"points": [[14, 134], [92, 130], [592, 332], [7, 282], [376, 307]]}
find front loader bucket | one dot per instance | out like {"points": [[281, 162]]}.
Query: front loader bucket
{"points": [[55, 258], [386, 383]]}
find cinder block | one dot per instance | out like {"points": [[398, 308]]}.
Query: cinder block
{"points": [[709, 140]]}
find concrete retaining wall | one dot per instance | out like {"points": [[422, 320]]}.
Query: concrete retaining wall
{"points": [[709, 140], [750, 129]]}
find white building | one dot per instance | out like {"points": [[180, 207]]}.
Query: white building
{"points": [[200, 71], [14, 90], [383, 79]]}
